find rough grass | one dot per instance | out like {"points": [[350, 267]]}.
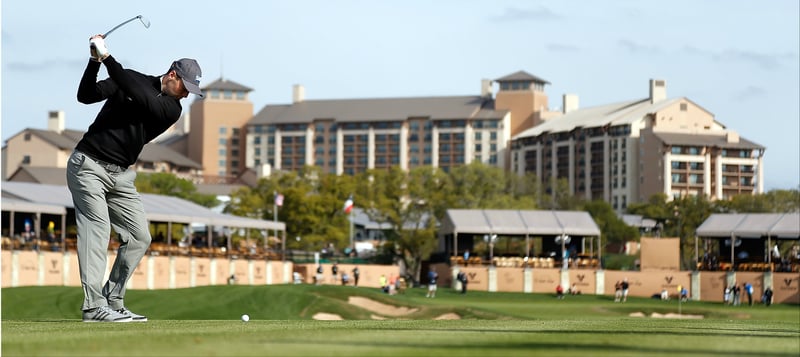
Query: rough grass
{"points": [[204, 321]]}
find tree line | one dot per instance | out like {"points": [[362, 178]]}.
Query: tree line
{"points": [[413, 203]]}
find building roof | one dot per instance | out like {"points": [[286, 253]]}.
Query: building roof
{"points": [[65, 140], [705, 140], [610, 114], [379, 109], [155, 152], [224, 84], [40, 174], [638, 221], [521, 76], [519, 222], [158, 208], [751, 225]]}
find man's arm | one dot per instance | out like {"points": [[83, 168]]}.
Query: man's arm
{"points": [[163, 107], [90, 90]]}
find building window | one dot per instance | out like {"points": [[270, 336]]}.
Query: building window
{"points": [[223, 130], [27, 136], [684, 107], [676, 150], [26, 159]]}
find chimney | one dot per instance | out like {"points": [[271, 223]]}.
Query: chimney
{"points": [[570, 103], [298, 93], [55, 121], [658, 90], [732, 137], [486, 88]]}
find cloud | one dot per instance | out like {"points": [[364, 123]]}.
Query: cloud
{"points": [[637, 48], [43, 65], [516, 14], [762, 60], [559, 47], [748, 93]]}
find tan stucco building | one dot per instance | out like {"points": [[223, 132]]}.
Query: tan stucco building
{"points": [[625, 152]]}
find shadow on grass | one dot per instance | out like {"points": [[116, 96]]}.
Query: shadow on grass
{"points": [[586, 349]]}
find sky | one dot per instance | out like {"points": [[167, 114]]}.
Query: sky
{"points": [[740, 60]]}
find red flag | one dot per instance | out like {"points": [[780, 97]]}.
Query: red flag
{"points": [[348, 205]]}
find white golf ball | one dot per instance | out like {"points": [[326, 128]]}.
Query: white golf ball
{"points": [[245, 317]]}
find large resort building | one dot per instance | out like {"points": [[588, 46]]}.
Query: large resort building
{"points": [[621, 153], [354, 135], [625, 152]]}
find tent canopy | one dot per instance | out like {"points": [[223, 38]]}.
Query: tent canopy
{"points": [[519, 222], [46, 198], [751, 225]]}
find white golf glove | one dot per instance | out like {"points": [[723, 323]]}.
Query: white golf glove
{"points": [[97, 48]]}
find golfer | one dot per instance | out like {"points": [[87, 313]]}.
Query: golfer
{"points": [[137, 108]]}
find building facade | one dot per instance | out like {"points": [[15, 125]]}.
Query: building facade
{"points": [[625, 152], [32, 154], [354, 135], [216, 138]]}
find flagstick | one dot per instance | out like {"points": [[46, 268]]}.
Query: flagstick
{"points": [[275, 212], [351, 230]]}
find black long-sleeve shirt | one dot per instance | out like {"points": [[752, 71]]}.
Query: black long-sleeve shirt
{"points": [[135, 112]]}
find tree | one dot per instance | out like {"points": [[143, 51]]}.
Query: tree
{"points": [[167, 184], [614, 229]]}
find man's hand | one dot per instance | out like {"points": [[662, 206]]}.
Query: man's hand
{"points": [[97, 48]]}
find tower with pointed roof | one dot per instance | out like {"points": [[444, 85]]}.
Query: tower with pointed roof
{"points": [[217, 131], [523, 94]]}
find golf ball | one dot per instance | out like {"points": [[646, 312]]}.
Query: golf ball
{"points": [[245, 317]]}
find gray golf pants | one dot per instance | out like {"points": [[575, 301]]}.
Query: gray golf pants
{"points": [[105, 197]]}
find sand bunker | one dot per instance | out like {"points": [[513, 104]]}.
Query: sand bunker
{"points": [[380, 308], [448, 316], [666, 316], [326, 316]]}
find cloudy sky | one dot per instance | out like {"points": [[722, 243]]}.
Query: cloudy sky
{"points": [[737, 59]]}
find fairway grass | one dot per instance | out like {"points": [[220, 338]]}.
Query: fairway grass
{"points": [[45, 321]]}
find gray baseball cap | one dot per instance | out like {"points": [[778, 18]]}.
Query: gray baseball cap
{"points": [[190, 73]]}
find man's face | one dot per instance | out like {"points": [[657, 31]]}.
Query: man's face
{"points": [[173, 86]]}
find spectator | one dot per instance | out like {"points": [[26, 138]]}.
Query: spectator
{"points": [[573, 290], [345, 279], [618, 291], [335, 271], [736, 294], [384, 284], [432, 276], [748, 289], [625, 286], [462, 277], [559, 292], [726, 295], [318, 278], [356, 274], [684, 294], [767, 297]]}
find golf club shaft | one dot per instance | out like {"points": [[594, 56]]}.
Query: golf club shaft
{"points": [[120, 25]]}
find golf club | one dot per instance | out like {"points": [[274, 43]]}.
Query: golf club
{"points": [[141, 18]]}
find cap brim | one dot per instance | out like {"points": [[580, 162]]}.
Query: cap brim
{"points": [[192, 88]]}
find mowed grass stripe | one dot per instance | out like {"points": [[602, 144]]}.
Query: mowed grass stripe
{"points": [[204, 321]]}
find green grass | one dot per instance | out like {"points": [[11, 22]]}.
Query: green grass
{"points": [[204, 321]]}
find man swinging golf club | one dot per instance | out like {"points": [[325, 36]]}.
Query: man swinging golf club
{"points": [[137, 109]]}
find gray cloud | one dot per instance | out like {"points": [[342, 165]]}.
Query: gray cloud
{"points": [[540, 13], [748, 93], [637, 48], [765, 61], [560, 47]]}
